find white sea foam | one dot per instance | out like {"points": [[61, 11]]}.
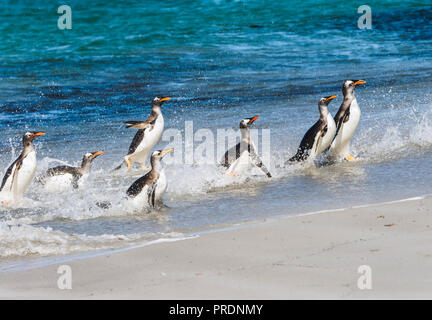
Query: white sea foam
{"points": [[26, 240], [376, 141]]}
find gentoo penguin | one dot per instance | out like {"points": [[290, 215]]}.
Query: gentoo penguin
{"points": [[243, 155], [21, 172], [66, 176], [149, 133], [347, 120], [319, 137], [148, 190]]}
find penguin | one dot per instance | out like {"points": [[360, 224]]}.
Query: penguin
{"points": [[148, 190], [21, 172], [319, 137], [149, 133], [62, 177], [347, 119], [243, 155]]}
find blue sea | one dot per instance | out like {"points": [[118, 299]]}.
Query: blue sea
{"points": [[220, 61]]}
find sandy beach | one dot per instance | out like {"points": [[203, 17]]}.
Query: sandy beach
{"points": [[312, 256]]}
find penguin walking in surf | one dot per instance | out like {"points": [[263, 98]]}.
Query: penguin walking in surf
{"points": [[147, 191], [243, 156], [149, 133], [62, 177], [347, 119], [21, 172], [319, 137]]}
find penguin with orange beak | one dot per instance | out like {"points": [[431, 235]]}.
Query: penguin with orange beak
{"points": [[148, 134], [319, 137], [147, 191], [62, 177], [21, 172], [238, 159], [347, 119]]}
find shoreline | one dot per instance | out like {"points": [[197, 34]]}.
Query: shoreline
{"points": [[305, 256], [29, 263]]}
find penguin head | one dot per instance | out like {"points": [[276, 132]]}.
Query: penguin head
{"points": [[159, 101], [349, 85], [30, 136], [326, 100], [247, 122], [159, 154], [90, 156]]}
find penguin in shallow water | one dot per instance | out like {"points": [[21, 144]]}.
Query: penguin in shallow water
{"points": [[149, 133], [243, 156], [347, 119], [21, 172], [319, 137], [148, 190], [66, 176]]}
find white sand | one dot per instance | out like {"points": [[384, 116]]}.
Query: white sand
{"points": [[314, 256]]}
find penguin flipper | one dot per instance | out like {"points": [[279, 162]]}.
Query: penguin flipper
{"points": [[339, 126], [149, 123], [7, 175], [346, 116], [258, 162], [10, 171], [137, 124], [139, 136], [139, 185], [264, 169], [151, 193], [15, 173]]}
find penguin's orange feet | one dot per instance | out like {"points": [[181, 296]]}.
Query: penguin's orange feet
{"points": [[233, 174], [128, 162], [4, 202], [143, 166], [350, 158]]}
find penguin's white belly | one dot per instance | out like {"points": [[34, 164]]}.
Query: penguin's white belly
{"points": [[82, 180], [322, 143], [24, 175], [341, 144], [241, 164], [59, 182], [151, 137]]}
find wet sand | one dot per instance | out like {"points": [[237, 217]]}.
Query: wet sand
{"points": [[311, 256]]}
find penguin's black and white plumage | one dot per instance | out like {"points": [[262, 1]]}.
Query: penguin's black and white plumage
{"points": [[147, 191], [21, 172], [319, 137], [243, 156], [149, 133], [347, 119], [62, 177]]}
